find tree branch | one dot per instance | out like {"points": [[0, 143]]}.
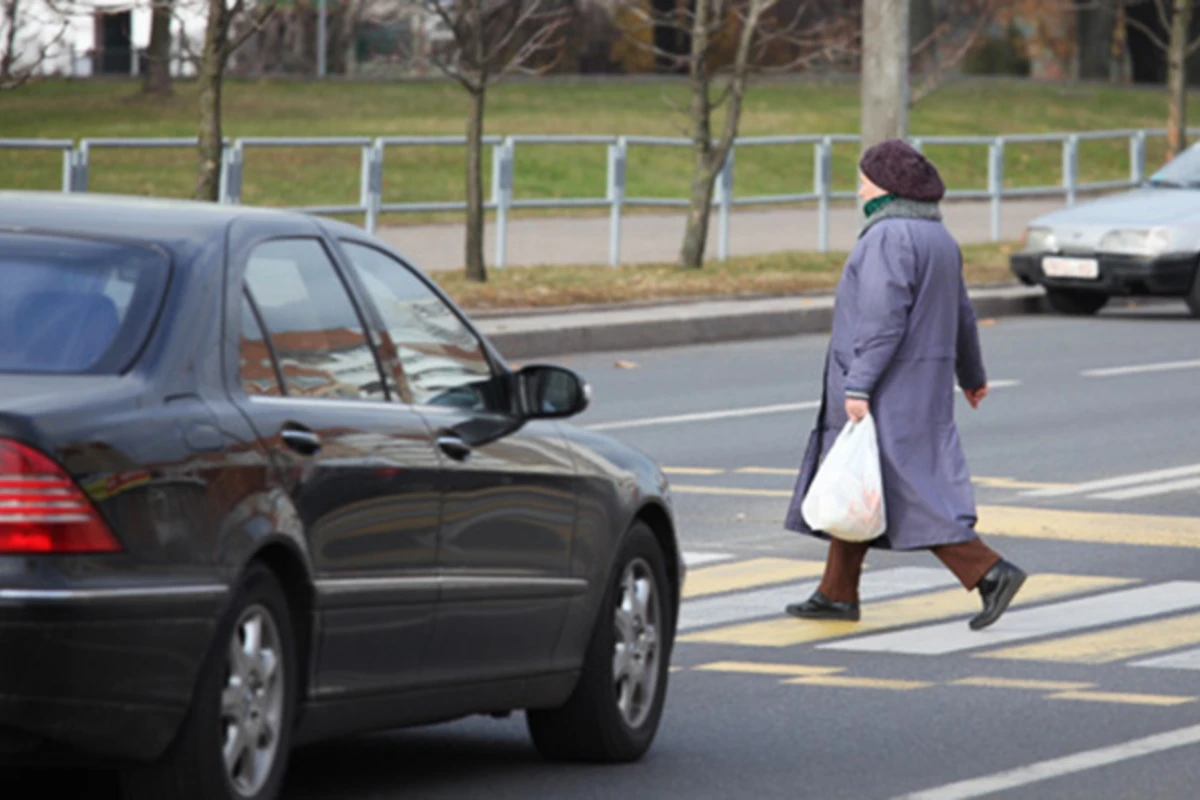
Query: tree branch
{"points": [[1148, 31]]}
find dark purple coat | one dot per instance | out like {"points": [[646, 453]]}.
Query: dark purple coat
{"points": [[903, 330]]}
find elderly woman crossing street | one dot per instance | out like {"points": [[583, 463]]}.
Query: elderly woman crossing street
{"points": [[903, 332]]}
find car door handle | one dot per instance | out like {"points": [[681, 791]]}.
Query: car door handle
{"points": [[454, 447], [302, 441]]}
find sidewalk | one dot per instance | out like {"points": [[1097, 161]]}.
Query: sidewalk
{"points": [[538, 335], [655, 238]]}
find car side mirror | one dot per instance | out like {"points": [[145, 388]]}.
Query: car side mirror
{"points": [[548, 392]]}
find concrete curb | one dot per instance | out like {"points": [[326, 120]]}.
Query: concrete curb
{"points": [[542, 335]]}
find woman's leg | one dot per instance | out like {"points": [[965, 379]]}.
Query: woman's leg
{"points": [[969, 561], [843, 568]]}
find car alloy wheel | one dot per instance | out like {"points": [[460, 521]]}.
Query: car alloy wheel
{"points": [[637, 620], [252, 701]]}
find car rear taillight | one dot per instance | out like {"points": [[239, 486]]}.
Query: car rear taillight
{"points": [[42, 510]]}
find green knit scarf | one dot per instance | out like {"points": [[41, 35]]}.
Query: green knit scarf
{"points": [[872, 206]]}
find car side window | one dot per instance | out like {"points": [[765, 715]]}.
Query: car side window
{"points": [[313, 326], [256, 366], [442, 361]]}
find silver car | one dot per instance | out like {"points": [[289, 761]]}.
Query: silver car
{"points": [[1144, 242]]}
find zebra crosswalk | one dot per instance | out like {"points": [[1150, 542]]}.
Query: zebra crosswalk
{"points": [[920, 611]]}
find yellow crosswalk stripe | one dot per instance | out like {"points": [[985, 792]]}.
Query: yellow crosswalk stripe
{"points": [[791, 473], [1010, 483], [1128, 698], [927, 607], [1150, 530], [1021, 683], [747, 574], [1107, 646], [693, 471], [756, 668], [848, 682]]}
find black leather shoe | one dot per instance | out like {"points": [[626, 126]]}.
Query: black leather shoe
{"points": [[821, 607], [997, 589]]}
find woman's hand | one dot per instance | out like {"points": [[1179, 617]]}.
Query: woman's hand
{"points": [[975, 396], [857, 409]]}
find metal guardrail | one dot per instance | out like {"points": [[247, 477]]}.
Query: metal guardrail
{"points": [[76, 169]]}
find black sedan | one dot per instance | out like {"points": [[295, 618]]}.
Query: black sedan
{"points": [[262, 484]]}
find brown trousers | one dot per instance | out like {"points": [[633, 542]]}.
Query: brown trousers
{"points": [[969, 561]]}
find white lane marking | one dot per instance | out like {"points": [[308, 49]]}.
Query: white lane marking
{"points": [[1188, 659], [705, 416], [733, 413], [745, 606], [1149, 491], [1031, 623], [696, 559], [1118, 482], [1166, 366], [1058, 767]]}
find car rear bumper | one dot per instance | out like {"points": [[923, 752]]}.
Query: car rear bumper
{"points": [[100, 672], [1166, 276]]}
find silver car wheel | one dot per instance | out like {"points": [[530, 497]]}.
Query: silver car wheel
{"points": [[252, 701], [637, 622]]}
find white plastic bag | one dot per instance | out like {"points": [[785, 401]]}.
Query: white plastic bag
{"points": [[845, 499]]}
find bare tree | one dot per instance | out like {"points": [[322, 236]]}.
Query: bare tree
{"points": [[487, 40], [1175, 16], [157, 78], [31, 32], [219, 44], [730, 40]]}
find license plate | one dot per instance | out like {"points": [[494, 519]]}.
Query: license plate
{"points": [[1055, 267]]}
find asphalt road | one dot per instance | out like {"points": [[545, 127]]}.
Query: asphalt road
{"points": [[1087, 464]]}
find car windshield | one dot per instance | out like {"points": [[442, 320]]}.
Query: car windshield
{"points": [[1182, 172], [74, 305]]}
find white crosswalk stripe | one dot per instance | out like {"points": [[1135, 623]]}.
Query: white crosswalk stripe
{"points": [[1124, 481], [1055, 618], [762, 603], [1188, 659], [698, 559]]}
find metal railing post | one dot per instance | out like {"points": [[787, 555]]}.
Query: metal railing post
{"points": [[232, 158], [68, 168], [996, 183], [372, 184], [1137, 158], [822, 167], [617, 157], [502, 182], [725, 198], [1070, 167], [918, 144], [79, 172]]}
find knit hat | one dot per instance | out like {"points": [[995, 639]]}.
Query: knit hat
{"points": [[900, 169]]}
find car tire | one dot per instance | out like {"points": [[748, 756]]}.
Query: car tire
{"points": [[607, 720], [252, 699], [1193, 297], [1076, 302]]}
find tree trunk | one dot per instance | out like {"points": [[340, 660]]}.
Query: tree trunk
{"points": [[695, 235], [476, 267], [157, 79], [1181, 23], [885, 89], [212, 69], [1094, 29], [1117, 72]]}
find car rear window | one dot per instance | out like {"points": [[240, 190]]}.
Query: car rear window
{"points": [[72, 305]]}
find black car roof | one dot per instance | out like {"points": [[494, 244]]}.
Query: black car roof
{"points": [[145, 218]]}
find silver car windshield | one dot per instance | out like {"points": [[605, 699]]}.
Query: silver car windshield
{"points": [[1182, 172]]}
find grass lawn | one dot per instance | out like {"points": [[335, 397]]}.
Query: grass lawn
{"points": [[102, 108], [776, 274]]}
